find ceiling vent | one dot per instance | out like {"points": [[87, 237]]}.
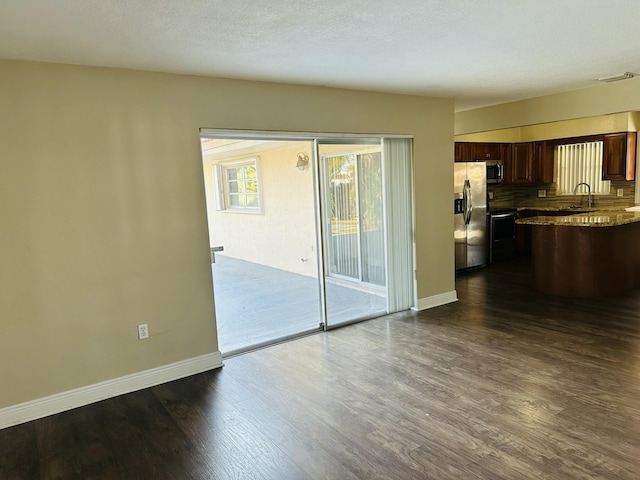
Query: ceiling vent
{"points": [[616, 78]]}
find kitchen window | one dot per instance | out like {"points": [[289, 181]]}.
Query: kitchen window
{"points": [[581, 162], [238, 186]]}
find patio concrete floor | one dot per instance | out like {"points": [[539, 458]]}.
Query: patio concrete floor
{"points": [[257, 304]]}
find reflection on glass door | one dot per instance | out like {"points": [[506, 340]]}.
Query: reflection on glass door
{"points": [[353, 224]]}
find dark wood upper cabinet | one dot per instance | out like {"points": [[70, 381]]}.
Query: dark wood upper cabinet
{"points": [[533, 162], [619, 156], [485, 151], [462, 152], [505, 154], [542, 167], [528, 162], [522, 162], [474, 152]]}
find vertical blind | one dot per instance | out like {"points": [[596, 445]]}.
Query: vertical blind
{"points": [[581, 162], [397, 158]]}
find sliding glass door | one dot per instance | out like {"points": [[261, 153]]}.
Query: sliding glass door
{"points": [[352, 208], [306, 233]]}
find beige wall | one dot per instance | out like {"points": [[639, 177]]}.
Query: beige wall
{"points": [[618, 122], [102, 209], [603, 99]]}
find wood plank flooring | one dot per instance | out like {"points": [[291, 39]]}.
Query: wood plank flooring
{"points": [[504, 384]]}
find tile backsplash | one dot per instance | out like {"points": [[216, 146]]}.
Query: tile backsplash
{"points": [[522, 195]]}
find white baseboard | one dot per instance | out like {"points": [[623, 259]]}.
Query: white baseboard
{"points": [[436, 300], [43, 407]]}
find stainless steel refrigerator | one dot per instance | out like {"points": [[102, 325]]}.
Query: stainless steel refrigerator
{"points": [[470, 212]]}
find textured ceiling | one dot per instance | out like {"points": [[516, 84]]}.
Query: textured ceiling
{"points": [[480, 52]]}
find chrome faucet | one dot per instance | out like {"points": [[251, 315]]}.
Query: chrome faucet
{"points": [[588, 191]]}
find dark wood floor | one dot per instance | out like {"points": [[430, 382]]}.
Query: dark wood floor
{"points": [[504, 384]]}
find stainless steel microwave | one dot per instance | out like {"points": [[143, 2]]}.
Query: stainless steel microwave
{"points": [[495, 171]]}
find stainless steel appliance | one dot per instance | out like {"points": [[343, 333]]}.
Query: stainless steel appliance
{"points": [[503, 244], [495, 171], [470, 210]]}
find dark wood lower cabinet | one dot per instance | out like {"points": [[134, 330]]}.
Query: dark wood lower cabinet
{"points": [[585, 261], [524, 232], [523, 239]]}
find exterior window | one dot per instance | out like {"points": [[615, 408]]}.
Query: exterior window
{"points": [[581, 162], [238, 186]]}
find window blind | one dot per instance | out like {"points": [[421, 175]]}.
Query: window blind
{"points": [[397, 158], [581, 162]]}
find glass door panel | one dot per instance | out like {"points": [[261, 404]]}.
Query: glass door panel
{"points": [[342, 226], [353, 234], [371, 219]]}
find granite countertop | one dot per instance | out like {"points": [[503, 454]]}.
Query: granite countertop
{"points": [[595, 218], [576, 209]]}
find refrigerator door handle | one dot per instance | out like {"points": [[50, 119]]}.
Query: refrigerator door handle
{"points": [[468, 202]]}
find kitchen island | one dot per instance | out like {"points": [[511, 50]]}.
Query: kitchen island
{"points": [[589, 254]]}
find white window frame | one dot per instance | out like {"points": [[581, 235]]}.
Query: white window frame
{"points": [[222, 183]]}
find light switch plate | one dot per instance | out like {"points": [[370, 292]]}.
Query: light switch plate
{"points": [[490, 195], [542, 193], [620, 192]]}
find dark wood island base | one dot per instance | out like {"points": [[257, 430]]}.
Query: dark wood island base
{"points": [[586, 261]]}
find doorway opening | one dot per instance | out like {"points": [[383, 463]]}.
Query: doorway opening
{"points": [[297, 234]]}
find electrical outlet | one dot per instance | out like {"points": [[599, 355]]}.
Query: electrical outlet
{"points": [[620, 192], [143, 331], [542, 193], [490, 195]]}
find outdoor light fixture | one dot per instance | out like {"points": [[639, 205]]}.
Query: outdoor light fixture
{"points": [[615, 78], [303, 161]]}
